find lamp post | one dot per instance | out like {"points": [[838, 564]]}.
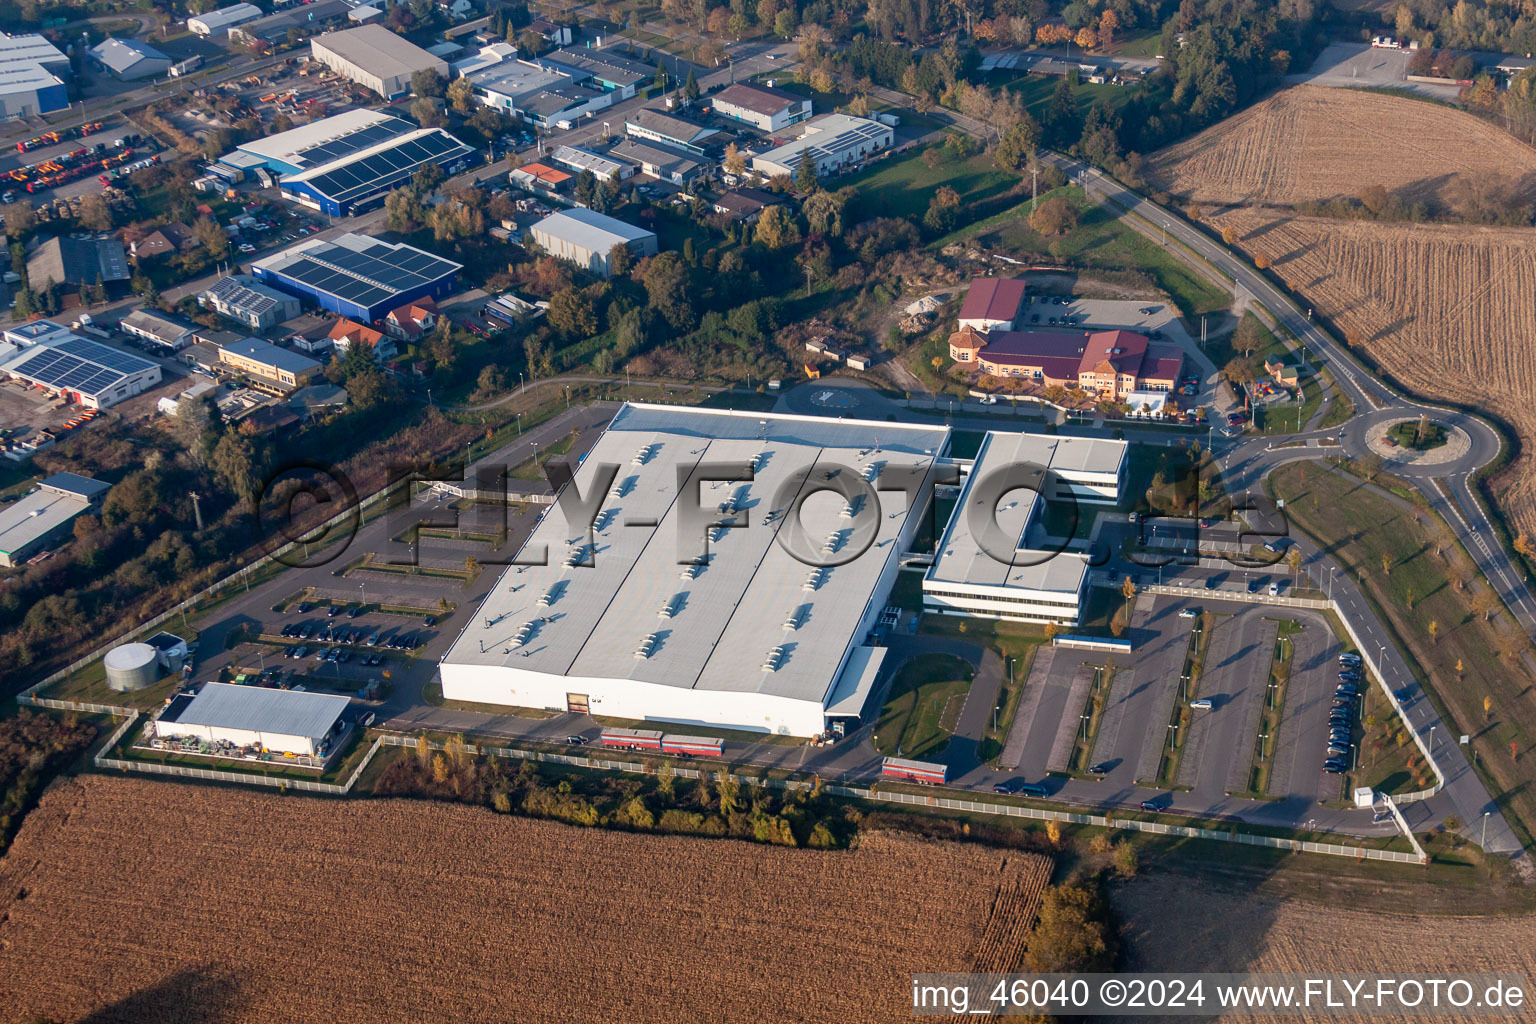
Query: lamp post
{"points": [[1484, 843], [363, 588]]}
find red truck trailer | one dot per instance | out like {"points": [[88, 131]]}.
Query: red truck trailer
{"points": [[691, 746], [925, 772], [632, 739]]}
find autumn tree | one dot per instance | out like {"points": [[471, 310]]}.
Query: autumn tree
{"points": [[1228, 235], [1055, 216], [776, 228], [1072, 933]]}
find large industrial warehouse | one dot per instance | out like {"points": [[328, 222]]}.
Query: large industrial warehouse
{"points": [[357, 276], [375, 58], [586, 238], [348, 163], [996, 562], [760, 637]]}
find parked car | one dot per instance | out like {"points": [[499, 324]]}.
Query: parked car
{"points": [[1150, 805], [1102, 768], [1274, 589], [430, 620], [1254, 585], [335, 610], [576, 741], [1203, 704], [354, 611], [298, 652], [1188, 613]]}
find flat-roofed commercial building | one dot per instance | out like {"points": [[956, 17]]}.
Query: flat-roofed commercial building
{"points": [[284, 367], [662, 162], [31, 523], [604, 167], [767, 109], [834, 141], [771, 633], [994, 559], [586, 238], [375, 58], [669, 129], [291, 722], [83, 370]]}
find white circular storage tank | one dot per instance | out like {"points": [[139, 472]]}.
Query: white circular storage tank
{"points": [[132, 667]]}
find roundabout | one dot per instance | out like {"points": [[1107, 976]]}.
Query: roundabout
{"points": [[1398, 439]]}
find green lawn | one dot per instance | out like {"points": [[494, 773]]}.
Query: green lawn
{"points": [[914, 722], [1037, 90], [1100, 241], [902, 187], [1465, 657]]}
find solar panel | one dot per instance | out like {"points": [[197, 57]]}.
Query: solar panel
{"points": [[381, 171], [354, 142]]}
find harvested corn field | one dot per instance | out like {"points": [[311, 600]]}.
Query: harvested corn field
{"points": [[134, 900], [1443, 309], [1232, 932], [1310, 143]]}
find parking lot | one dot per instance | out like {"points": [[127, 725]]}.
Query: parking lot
{"points": [[1140, 712]]}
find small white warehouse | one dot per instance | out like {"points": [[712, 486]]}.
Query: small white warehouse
{"points": [[834, 141], [218, 23], [279, 721], [586, 238]]}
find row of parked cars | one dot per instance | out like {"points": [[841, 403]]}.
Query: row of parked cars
{"points": [[1341, 717]]}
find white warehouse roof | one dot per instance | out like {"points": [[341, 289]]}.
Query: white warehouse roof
{"points": [[594, 232], [258, 709], [218, 21], [640, 616]]}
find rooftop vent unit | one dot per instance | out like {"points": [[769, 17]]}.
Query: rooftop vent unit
{"points": [[622, 488], [796, 619], [774, 660], [647, 646], [643, 455], [814, 579], [670, 607], [758, 460], [690, 572]]}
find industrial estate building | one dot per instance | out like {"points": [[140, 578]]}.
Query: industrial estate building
{"points": [[129, 60], [834, 141], [37, 519], [358, 276], [375, 58], [348, 163], [166, 333], [669, 129], [661, 162], [765, 108], [217, 23], [586, 238], [267, 362], [82, 370], [284, 722], [555, 89], [243, 298], [32, 76], [274, 28], [77, 261], [994, 559], [604, 167], [769, 634]]}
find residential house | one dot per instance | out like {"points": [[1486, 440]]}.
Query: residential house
{"points": [[345, 334], [412, 320]]}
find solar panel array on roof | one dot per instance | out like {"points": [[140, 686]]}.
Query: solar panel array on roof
{"points": [[381, 171], [365, 275], [354, 142], [66, 372]]}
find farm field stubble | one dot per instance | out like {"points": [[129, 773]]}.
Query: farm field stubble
{"points": [[1443, 309], [133, 900], [1310, 143], [1238, 932]]}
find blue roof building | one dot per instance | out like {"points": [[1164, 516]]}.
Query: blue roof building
{"points": [[357, 276]]}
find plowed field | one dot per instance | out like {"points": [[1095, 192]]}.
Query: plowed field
{"points": [[1445, 309], [135, 900], [1311, 143], [1230, 933]]}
